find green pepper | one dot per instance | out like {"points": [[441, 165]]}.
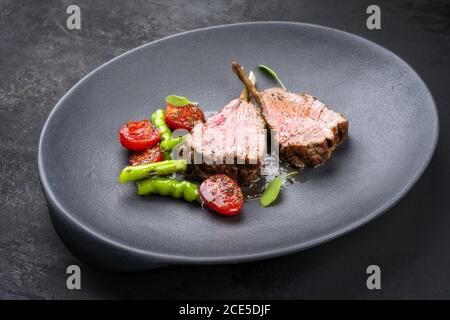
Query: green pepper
{"points": [[168, 187], [272, 190], [133, 173], [159, 121], [168, 145], [168, 155]]}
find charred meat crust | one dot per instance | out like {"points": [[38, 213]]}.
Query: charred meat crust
{"points": [[244, 174]]}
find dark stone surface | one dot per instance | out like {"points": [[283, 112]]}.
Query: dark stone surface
{"points": [[40, 60]]}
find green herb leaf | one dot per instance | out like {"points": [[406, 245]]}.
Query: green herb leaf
{"points": [[272, 73], [270, 194], [178, 101]]}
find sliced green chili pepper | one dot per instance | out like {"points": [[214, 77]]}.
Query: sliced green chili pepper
{"points": [[168, 155], [169, 187], [273, 189], [159, 121], [133, 173], [168, 145]]}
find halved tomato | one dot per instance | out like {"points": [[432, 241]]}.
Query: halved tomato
{"points": [[222, 194], [184, 117], [140, 135], [149, 155]]}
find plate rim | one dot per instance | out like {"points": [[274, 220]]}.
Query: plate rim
{"points": [[262, 254]]}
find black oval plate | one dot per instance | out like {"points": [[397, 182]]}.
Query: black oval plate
{"points": [[393, 132]]}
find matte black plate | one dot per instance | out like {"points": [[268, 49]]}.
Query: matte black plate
{"points": [[393, 132]]}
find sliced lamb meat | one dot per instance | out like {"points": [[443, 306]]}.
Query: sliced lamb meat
{"points": [[232, 142], [308, 131]]}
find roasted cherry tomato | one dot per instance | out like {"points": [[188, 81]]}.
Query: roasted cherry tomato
{"points": [[183, 117], [222, 194], [138, 136], [149, 155]]}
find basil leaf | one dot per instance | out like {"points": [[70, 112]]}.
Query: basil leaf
{"points": [[273, 74], [270, 194], [178, 101]]}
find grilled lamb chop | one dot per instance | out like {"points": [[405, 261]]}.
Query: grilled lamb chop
{"points": [[232, 142], [308, 130]]}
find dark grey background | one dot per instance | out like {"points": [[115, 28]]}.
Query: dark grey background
{"points": [[40, 60]]}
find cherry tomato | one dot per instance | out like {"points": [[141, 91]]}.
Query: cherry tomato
{"points": [[149, 155], [183, 117], [140, 135], [222, 194]]}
